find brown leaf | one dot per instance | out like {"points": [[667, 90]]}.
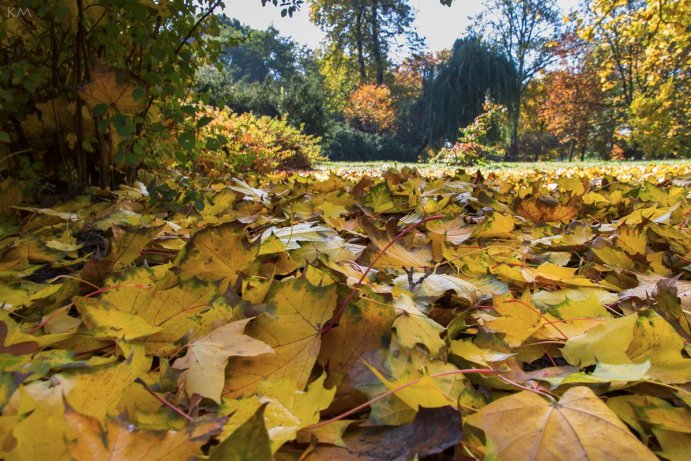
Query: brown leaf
{"points": [[433, 431]]}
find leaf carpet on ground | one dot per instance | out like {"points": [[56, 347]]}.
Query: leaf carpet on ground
{"points": [[341, 315]]}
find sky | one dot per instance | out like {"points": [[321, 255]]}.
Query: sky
{"points": [[439, 24]]}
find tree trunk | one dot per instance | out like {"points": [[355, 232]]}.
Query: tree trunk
{"points": [[583, 153], [571, 151], [359, 40], [515, 114], [376, 45]]}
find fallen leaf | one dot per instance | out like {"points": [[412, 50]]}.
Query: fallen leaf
{"points": [[526, 426], [542, 210], [120, 440], [249, 442], [394, 255], [217, 253], [607, 342], [498, 225], [292, 327], [206, 358], [432, 432], [518, 319]]}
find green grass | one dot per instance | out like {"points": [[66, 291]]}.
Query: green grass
{"points": [[548, 165]]}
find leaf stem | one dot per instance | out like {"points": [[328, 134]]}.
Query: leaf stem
{"points": [[164, 401], [341, 308], [548, 321], [480, 371]]}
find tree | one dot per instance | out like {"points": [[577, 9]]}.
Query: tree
{"points": [[523, 30], [455, 92], [253, 55], [409, 76], [268, 74], [641, 50], [370, 109], [574, 104], [363, 32]]}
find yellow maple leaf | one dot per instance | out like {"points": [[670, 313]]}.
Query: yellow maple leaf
{"points": [[114, 88], [498, 225], [525, 426], [120, 440], [518, 318], [292, 327], [207, 357], [217, 253]]}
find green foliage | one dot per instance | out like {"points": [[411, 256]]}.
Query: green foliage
{"points": [[455, 92], [288, 7], [254, 55], [265, 73], [88, 89], [343, 142], [477, 142]]}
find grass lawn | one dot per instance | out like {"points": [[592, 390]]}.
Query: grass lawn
{"points": [[543, 165]]}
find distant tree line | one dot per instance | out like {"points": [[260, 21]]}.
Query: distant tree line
{"points": [[610, 82]]}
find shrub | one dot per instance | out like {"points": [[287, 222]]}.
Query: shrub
{"points": [[343, 142], [87, 88], [473, 146], [246, 142], [463, 154]]}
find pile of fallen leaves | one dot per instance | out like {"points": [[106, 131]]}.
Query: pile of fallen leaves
{"points": [[518, 315]]}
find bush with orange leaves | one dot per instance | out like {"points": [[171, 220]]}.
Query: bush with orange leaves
{"points": [[370, 109]]}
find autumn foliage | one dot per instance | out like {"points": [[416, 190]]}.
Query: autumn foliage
{"points": [[370, 108], [249, 143], [516, 314]]}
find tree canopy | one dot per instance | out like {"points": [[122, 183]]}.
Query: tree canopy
{"points": [[455, 91]]}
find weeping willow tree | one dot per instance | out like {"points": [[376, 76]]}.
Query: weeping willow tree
{"points": [[454, 93]]}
